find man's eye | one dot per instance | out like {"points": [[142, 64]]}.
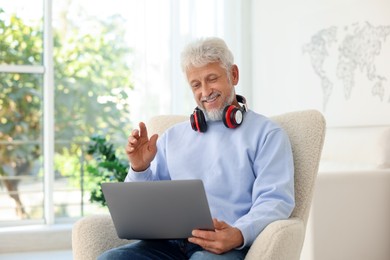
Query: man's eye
{"points": [[196, 85], [213, 79]]}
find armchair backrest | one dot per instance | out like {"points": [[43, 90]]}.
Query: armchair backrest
{"points": [[306, 130], [158, 124]]}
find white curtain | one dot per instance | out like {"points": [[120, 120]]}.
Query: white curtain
{"points": [[163, 28]]}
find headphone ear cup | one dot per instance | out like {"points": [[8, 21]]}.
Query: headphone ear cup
{"points": [[198, 121], [232, 116]]}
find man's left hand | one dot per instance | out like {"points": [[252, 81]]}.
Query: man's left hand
{"points": [[219, 241]]}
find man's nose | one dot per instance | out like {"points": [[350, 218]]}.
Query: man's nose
{"points": [[206, 90]]}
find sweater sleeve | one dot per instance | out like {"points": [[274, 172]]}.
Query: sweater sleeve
{"points": [[273, 189], [138, 176]]}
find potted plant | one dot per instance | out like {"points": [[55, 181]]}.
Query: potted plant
{"points": [[104, 166]]}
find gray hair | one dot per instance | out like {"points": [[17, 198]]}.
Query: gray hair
{"points": [[206, 50]]}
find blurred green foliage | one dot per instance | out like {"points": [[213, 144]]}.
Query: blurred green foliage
{"points": [[92, 83], [106, 166]]}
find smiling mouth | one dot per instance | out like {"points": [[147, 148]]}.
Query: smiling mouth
{"points": [[210, 98]]}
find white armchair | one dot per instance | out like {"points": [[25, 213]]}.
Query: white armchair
{"points": [[282, 239]]}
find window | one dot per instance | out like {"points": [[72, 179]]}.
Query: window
{"points": [[21, 80], [74, 69]]}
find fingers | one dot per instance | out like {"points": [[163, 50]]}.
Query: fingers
{"points": [[208, 241], [223, 239], [135, 136], [218, 225], [132, 142], [143, 130], [135, 133], [153, 142], [139, 137], [202, 234], [140, 149]]}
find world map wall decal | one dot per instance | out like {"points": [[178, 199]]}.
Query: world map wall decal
{"points": [[355, 48]]}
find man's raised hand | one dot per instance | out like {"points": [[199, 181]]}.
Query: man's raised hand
{"points": [[140, 149]]}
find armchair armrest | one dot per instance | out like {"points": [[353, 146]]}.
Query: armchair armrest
{"points": [[280, 240], [93, 235]]}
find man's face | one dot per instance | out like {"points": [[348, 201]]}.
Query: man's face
{"points": [[211, 87]]}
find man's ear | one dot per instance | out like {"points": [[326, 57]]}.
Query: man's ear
{"points": [[234, 74]]}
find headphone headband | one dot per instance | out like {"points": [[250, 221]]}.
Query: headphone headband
{"points": [[242, 100]]}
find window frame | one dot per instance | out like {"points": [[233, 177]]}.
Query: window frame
{"points": [[47, 70]]}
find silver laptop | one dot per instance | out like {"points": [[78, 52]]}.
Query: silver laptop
{"points": [[158, 209]]}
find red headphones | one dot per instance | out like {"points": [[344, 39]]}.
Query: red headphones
{"points": [[232, 116]]}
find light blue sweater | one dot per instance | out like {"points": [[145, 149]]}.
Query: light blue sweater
{"points": [[247, 172]]}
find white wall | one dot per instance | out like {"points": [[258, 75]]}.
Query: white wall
{"points": [[333, 56], [288, 46]]}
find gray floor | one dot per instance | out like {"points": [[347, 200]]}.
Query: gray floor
{"points": [[57, 255]]}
